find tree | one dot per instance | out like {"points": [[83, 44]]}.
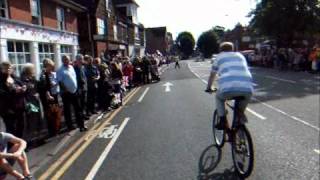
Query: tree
{"points": [[220, 31], [186, 43], [283, 20], [208, 43]]}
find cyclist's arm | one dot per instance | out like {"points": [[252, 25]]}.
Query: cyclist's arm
{"points": [[211, 79]]}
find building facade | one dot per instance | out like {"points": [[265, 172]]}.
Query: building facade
{"points": [[110, 27], [31, 30], [135, 30], [158, 39]]}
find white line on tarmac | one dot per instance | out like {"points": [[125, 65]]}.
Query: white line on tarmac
{"points": [[280, 79], [248, 109], [317, 151], [288, 115], [256, 114], [143, 94], [105, 153]]}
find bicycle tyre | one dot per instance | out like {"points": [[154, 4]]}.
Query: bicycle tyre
{"points": [[219, 141], [243, 173]]}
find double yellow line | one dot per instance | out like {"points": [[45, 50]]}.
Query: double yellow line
{"points": [[67, 159]]}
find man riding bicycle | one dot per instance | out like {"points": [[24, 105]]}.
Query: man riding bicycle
{"points": [[234, 80]]}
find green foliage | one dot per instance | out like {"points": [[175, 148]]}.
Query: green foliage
{"points": [[208, 43], [186, 43], [283, 19], [220, 31]]}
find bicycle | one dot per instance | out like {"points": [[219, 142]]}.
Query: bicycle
{"points": [[239, 137]]}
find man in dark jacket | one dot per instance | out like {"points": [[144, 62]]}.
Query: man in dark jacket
{"points": [[82, 83], [93, 75]]}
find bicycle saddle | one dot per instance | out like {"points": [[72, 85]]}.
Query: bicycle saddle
{"points": [[238, 98]]}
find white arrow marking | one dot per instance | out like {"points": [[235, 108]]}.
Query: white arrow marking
{"points": [[167, 85]]}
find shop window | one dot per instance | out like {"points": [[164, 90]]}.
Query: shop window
{"points": [[45, 51], [66, 51], [19, 54]]}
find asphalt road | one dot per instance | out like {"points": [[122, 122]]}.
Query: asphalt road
{"points": [[163, 130]]}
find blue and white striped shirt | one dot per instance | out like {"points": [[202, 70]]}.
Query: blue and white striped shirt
{"points": [[233, 73]]}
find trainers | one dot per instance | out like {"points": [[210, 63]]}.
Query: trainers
{"points": [[29, 178]]}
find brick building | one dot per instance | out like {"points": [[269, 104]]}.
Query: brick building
{"points": [[110, 27], [135, 31], [31, 30], [158, 39]]}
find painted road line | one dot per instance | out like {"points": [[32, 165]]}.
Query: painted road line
{"points": [[256, 114], [248, 109], [105, 153], [84, 146], [280, 79], [71, 150], [288, 115], [317, 151], [143, 94]]}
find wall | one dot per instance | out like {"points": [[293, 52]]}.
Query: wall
{"points": [[48, 11], [154, 43], [20, 10], [100, 47]]}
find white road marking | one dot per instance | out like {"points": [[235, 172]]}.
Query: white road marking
{"points": [[105, 153], [256, 114], [280, 79], [278, 110], [288, 115], [168, 85], [248, 109], [317, 151], [143, 94]]}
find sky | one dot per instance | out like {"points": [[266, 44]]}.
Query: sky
{"points": [[195, 16]]}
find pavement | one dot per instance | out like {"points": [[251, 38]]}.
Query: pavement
{"points": [[164, 129]]}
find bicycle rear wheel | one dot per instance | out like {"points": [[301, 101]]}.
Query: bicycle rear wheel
{"points": [[218, 135], [242, 151]]}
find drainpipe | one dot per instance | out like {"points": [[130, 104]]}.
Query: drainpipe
{"points": [[90, 35]]}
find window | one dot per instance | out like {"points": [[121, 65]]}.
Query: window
{"points": [[115, 32], [19, 54], [101, 28], [45, 51], [136, 32], [107, 4], [3, 8], [66, 51], [60, 19], [35, 11]]}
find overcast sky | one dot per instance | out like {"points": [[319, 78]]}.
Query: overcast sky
{"points": [[195, 16]]}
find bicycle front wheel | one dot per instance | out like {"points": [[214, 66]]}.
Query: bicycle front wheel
{"points": [[218, 135], [242, 151]]}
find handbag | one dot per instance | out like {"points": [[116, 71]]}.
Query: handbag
{"points": [[54, 114]]}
